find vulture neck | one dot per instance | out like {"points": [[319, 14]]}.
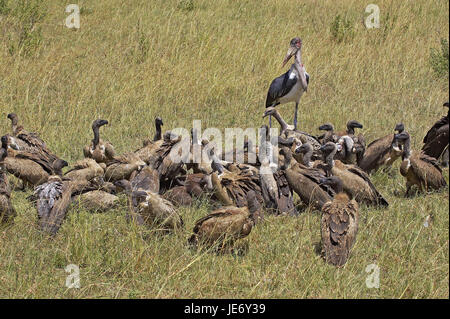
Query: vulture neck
{"points": [[287, 159], [96, 139], [407, 150], [14, 126], [157, 136], [307, 158], [329, 159], [350, 130]]}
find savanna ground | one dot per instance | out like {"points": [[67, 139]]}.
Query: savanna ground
{"points": [[214, 60]]}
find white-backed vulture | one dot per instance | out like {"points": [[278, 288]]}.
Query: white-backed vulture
{"points": [[101, 151], [231, 187], [158, 124], [354, 180], [383, 151], [53, 199], [122, 166], [150, 209], [274, 185], [97, 200], [339, 224], [436, 139], [329, 135], [418, 168], [222, 227], [7, 211], [179, 196], [147, 152], [85, 169], [305, 181], [351, 126], [22, 140], [29, 166]]}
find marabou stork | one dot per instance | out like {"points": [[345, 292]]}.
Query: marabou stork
{"points": [[290, 86]]}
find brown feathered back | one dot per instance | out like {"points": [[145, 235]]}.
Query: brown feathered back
{"points": [[339, 226]]}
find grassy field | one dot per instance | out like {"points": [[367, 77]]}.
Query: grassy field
{"points": [[214, 60]]}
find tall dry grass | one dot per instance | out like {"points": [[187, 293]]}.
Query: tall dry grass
{"points": [[213, 60]]}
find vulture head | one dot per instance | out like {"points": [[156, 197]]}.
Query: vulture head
{"points": [[352, 124], [326, 127], [399, 128]]}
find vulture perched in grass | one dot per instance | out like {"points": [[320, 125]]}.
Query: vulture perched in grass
{"points": [[418, 168], [7, 211], [145, 179], [339, 224], [150, 209], [29, 166], [350, 131], [147, 152], [97, 200], [188, 187], [353, 146], [305, 181], [222, 227], [97, 195], [178, 196], [383, 151], [329, 135], [123, 166], [231, 186], [274, 185], [172, 155], [436, 139], [52, 201], [85, 169], [22, 140], [354, 180], [101, 151]]}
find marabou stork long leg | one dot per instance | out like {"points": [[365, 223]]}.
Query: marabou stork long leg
{"points": [[295, 116]]}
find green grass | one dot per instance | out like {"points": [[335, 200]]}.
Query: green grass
{"points": [[186, 60]]}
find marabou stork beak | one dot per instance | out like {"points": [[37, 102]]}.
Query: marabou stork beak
{"points": [[290, 53]]}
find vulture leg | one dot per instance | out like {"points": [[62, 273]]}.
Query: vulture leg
{"points": [[270, 121]]}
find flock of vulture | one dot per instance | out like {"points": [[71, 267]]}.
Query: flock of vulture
{"points": [[330, 173]]}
